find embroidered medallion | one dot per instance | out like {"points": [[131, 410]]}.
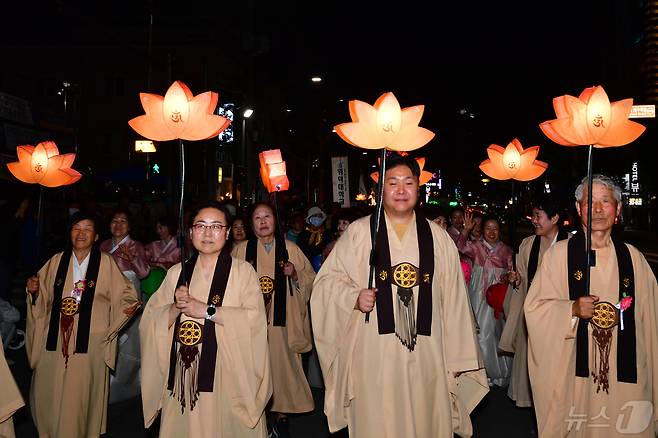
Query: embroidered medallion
{"points": [[69, 306], [189, 333]]}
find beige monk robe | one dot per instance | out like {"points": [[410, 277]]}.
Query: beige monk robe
{"points": [[10, 398], [291, 391], [567, 405], [71, 401], [374, 384], [514, 338], [242, 384]]}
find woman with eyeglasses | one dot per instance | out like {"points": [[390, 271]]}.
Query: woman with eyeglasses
{"points": [[286, 278], [130, 256], [204, 337]]}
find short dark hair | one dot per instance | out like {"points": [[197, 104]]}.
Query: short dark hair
{"points": [[491, 217], [395, 160], [83, 215], [548, 204], [274, 214], [170, 222], [217, 206], [455, 210], [125, 212]]}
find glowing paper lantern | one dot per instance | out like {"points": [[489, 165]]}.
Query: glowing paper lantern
{"points": [[44, 165], [590, 119], [179, 115], [384, 125], [425, 176], [273, 171], [513, 162]]}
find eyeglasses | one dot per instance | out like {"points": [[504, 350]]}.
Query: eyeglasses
{"points": [[200, 227]]}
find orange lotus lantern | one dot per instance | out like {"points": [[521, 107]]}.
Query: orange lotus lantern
{"points": [[513, 162], [183, 116], [384, 125], [273, 171], [44, 165], [425, 176], [590, 119], [179, 115]]}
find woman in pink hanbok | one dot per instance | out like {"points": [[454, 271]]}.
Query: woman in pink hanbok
{"points": [[131, 259], [492, 264], [164, 253]]}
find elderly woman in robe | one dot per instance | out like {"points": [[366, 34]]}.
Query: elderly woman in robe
{"points": [[286, 278], [76, 306]]}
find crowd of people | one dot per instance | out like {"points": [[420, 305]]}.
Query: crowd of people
{"points": [[409, 319]]}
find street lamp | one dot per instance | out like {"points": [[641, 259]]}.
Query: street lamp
{"points": [[247, 113]]}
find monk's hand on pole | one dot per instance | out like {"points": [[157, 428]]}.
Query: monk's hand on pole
{"points": [[583, 307], [32, 286], [366, 300]]}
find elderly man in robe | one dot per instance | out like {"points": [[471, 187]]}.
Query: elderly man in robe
{"points": [[592, 353], [414, 369]]}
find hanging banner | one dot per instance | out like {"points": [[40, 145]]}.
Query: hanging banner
{"points": [[340, 181]]}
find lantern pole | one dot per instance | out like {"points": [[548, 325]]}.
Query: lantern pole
{"points": [[512, 226], [181, 210], [588, 234], [375, 229], [282, 237], [39, 231]]}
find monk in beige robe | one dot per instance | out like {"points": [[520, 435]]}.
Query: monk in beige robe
{"points": [[403, 383], [233, 314], [69, 390], [598, 404], [10, 398], [514, 339], [290, 336]]}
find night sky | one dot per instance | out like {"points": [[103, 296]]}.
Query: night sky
{"points": [[486, 71]]}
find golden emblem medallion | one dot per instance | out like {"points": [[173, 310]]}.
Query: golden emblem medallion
{"points": [[266, 284], [405, 275], [578, 275], [426, 278], [383, 275], [189, 333], [215, 300], [626, 282], [605, 315], [69, 306]]}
